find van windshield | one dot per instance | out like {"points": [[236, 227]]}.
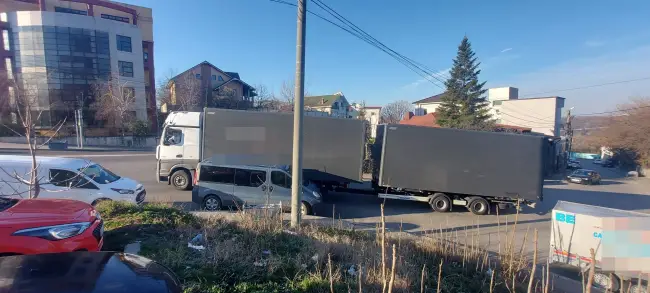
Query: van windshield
{"points": [[99, 174]]}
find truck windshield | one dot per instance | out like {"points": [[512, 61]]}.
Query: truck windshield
{"points": [[99, 174]]}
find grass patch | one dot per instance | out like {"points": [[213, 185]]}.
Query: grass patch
{"points": [[258, 254]]}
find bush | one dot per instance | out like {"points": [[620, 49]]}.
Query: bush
{"points": [[139, 128]]}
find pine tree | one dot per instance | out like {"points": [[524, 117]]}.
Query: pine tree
{"points": [[463, 104]]}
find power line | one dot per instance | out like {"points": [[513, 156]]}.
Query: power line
{"points": [[590, 86], [615, 111], [362, 35]]}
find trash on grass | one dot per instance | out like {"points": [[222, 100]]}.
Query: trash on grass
{"points": [[289, 232], [197, 247]]}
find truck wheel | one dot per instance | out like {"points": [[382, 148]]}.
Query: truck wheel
{"points": [[479, 206], [440, 202], [181, 180]]}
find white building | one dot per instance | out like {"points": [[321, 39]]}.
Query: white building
{"points": [[541, 115]]}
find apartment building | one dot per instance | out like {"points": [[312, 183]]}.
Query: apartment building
{"points": [[62, 48]]}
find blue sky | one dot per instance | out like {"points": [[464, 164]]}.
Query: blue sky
{"points": [[537, 46]]}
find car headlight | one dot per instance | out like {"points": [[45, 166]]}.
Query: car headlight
{"points": [[315, 193], [57, 232], [123, 191]]}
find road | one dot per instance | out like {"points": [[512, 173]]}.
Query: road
{"points": [[615, 191]]}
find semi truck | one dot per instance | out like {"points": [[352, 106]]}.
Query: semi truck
{"points": [[333, 148], [443, 167]]}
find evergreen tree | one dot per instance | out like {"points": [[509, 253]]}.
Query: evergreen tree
{"points": [[463, 104]]}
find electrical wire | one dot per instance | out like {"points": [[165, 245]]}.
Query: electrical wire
{"points": [[589, 86], [615, 111], [362, 35]]}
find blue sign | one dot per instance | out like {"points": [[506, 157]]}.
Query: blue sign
{"points": [[565, 218], [598, 235]]}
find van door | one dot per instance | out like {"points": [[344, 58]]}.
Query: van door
{"points": [[171, 150], [280, 188], [250, 186], [69, 185]]}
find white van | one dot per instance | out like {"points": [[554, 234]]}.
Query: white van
{"points": [[68, 178]]}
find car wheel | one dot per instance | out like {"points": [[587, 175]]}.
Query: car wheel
{"points": [[181, 180], [212, 203], [479, 206], [440, 202], [305, 209], [603, 280]]}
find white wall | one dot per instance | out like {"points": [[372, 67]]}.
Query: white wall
{"points": [[429, 107], [32, 18], [542, 115]]}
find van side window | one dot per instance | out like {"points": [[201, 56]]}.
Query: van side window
{"points": [[65, 178], [252, 178], [173, 136], [217, 174], [280, 179], [258, 178]]}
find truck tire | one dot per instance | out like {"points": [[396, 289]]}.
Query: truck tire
{"points": [[478, 206], [181, 180], [440, 202]]}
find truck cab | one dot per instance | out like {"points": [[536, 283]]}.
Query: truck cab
{"points": [[179, 150]]}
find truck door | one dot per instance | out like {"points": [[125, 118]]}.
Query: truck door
{"points": [[280, 188], [171, 152]]}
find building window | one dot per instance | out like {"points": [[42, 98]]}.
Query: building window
{"points": [[126, 68], [3, 16], [146, 56], [123, 43], [5, 39], [117, 18], [220, 78], [214, 77], [8, 67], [70, 10], [198, 76], [12, 96]]}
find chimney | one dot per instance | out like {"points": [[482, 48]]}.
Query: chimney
{"points": [[322, 101], [409, 115]]}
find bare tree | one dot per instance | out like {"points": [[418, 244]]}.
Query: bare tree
{"points": [[287, 92], [395, 111], [266, 99], [627, 132], [183, 93], [115, 101], [25, 111]]}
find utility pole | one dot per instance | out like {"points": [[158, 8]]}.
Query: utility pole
{"points": [[298, 108], [569, 134]]}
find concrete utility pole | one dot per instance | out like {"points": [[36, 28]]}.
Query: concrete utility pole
{"points": [[569, 134], [298, 108]]}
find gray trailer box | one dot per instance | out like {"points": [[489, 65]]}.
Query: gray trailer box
{"points": [[332, 147], [467, 162]]}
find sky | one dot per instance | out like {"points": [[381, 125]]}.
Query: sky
{"points": [[540, 47]]}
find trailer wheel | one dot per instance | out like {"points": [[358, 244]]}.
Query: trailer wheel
{"points": [[440, 202], [479, 206]]}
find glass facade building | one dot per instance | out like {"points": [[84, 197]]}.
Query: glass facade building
{"points": [[63, 64]]}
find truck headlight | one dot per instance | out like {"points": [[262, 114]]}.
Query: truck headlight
{"points": [[123, 191], [57, 232], [316, 194]]}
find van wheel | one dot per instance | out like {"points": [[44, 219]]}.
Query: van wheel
{"points": [[305, 209], [181, 180], [212, 203], [440, 202], [478, 206]]}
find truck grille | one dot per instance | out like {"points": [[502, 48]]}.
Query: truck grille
{"points": [[97, 232], [141, 196]]}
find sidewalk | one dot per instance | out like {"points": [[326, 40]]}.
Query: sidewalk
{"points": [[74, 148]]}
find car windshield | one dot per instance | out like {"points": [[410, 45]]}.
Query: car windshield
{"points": [[99, 174], [6, 203], [581, 173]]}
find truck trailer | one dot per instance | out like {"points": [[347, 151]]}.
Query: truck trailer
{"points": [[333, 148], [445, 167]]}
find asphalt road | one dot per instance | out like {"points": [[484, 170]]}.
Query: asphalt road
{"points": [[615, 191]]}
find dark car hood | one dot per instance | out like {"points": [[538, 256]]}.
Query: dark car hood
{"points": [[85, 272]]}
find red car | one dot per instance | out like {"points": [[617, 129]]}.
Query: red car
{"points": [[30, 226]]}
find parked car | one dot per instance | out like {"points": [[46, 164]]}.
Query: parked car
{"points": [[68, 178], [86, 272], [29, 226], [573, 164], [217, 186], [584, 176]]}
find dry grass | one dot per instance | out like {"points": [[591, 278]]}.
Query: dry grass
{"points": [[257, 253]]}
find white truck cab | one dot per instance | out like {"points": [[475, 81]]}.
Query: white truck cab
{"points": [[179, 149]]}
